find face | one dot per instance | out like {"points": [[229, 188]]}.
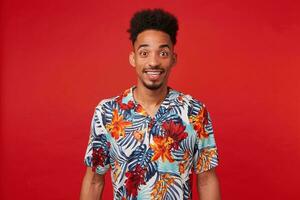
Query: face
{"points": [[153, 57]]}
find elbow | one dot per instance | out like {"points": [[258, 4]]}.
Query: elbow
{"points": [[207, 178], [97, 183], [92, 186]]}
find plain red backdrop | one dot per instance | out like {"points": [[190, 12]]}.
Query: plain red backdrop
{"points": [[60, 58]]}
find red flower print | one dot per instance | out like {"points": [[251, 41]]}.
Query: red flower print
{"points": [[134, 179], [126, 92], [124, 106], [174, 131], [174, 134], [99, 157], [127, 106], [180, 98]]}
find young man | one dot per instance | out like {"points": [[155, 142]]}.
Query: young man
{"points": [[151, 136]]}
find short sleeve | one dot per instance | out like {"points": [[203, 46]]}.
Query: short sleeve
{"points": [[205, 150], [97, 152]]}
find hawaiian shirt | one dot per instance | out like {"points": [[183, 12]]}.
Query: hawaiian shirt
{"points": [[151, 157]]}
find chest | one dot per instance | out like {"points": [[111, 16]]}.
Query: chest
{"points": [[167, 137]]}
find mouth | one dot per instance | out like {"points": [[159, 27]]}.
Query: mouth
{"points": [[153, 72], [153, 75]]}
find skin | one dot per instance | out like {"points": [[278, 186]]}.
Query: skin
{"points": [[153, 57], [92, 185], [152, 51], [208, 185]]}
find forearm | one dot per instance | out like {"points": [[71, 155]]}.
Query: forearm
{"points": [[208, 186], [92, 187]]}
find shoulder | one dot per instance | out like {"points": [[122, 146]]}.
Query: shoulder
{"points": [[112, 102], [107, 104], [186, 99], [104, 109]]}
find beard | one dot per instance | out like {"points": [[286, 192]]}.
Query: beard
{"points": [[152, 86]]}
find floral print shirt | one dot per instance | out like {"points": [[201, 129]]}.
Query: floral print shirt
{"points": [[151, 157]]}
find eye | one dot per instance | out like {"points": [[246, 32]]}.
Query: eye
{"points": [[164, 54], [143, 53]]}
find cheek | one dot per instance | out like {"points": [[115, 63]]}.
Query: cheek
{"points": [[140, 65], [139, 69], [169, 64]]}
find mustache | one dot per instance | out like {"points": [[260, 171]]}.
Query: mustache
{"points": [[154, 68]]}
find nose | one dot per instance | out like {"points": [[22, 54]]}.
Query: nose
{"points": [[154, 61]]}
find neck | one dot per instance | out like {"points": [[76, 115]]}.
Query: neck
{"points": [[149, 98]]}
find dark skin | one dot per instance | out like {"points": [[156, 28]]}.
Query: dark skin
{"points": [[153, 57]]}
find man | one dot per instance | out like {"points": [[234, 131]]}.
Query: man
{"points": [[151, 136]]}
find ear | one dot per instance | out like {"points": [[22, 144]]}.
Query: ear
{"points": [[174, 58], [131, 59]]}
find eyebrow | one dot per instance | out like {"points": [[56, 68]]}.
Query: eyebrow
{"points": [[147, 45], [164, 45], [142, 45]]}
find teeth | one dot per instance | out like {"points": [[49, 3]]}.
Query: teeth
{"points": [[153, 73]]}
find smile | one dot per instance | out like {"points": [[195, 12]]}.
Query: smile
{"points": [[154, 75], [154, 72]]}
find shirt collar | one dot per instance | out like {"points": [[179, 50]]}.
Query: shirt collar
{"points": [[127, 97]]}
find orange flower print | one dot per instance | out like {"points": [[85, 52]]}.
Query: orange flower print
{"points": [[181, 168], [117, 125], [161, 186], [139, 135], [162, 148], [205, 158], [199, 121], [117, 171], [126, 92], [174, 134], [183, 164], [186, 155], [139, 109]]}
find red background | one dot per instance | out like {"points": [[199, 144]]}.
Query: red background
{"points": [[60, 58]]}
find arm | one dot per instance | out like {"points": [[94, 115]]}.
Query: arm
{"points": [[97, 157], [92, 185], [208, 185]]}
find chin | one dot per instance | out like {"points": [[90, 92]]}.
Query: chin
{"points": [[154, 86]]}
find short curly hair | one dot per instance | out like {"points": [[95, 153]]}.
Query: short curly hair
{"points": [[156, 19]]}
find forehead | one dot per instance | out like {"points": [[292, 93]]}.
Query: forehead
{"points": [[153, 39]]}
